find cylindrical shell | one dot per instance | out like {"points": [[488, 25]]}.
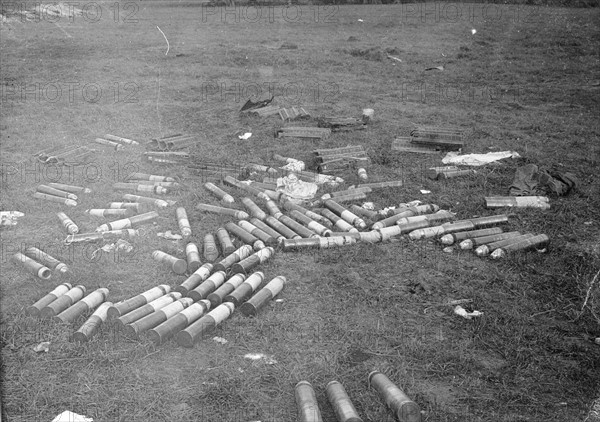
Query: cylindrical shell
{"points": [[176, 323], [269, 230], [251, 228], [90, 327], [195, 279], [240, 215], [483, 240], [130, 304], [144, 218], [346, 215], [245, 290], [210, 251], [281, 228], [338, 223], [103, 141], [52, 198], [371, 215], [84, 305], [243, 235], [252, 261], [192, 255], [486, 249], [243, 252], [517, 201], [228, 180], [208, 286], [306, 402], [134, 206], [134, 187], [310, 223], [225, 241], [389, 232], [177, 265], [32, 266], [434, 172], [154, 177], [219, 193], [404, 409], [260, 299], [450, 174], [145, 200], [362, 174], [450, 239], [253, 209], [491, 220], [158, 317], [341, 403], [297, 227], [147, 309], [183, 222], [109, 212], [519, 245], [372, 236], [45, 259], [67, 223], [378, 185], [273, 208], [34, 310], [204, 325], [226, 288], [289, 206], [429, 232], [56, 192], [120, 139], [69, 188], [63, 302], [360, 195]]}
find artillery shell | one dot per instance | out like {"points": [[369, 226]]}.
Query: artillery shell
{"points": [[145, 200], [144, 176], [32, 266], [403, 408], [195, 279], [178, 322], [67, 223], [281, 228], [210, 251], [310, 223], [69, 188], [56, 192], [34, 310], [243, 252], [341, 403], [450, 239], [245, 290], [253, 260], [135, 302], [306, 402], [219, 193], [338, 223], [252, 229], [345, 214], [177, 265], [528, 243], [225, 241], [155, 318], [45, 259], [147, 309], [267, 229], [52, 198], [183, 222], [86, 304], [208, 286], [240, 215], [508, 238], [198, 329], [253, 209], [264, 295], [192, 256], [63, 302], [91, 325], [216, 297], [297, 227]]}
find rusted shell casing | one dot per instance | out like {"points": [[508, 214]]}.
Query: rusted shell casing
{"points": [[252, 261], [306, 402], [240, 215], [92, 324], [225, 241], [85, 304], [210, 250], [63, 302], [183, 222], [32, 267], [403, 408], [281, 228], [195, 331], [341, 403]]}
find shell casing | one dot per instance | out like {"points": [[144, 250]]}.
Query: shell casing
{"points": [[34, 310], [91, 325], [241, 253], [121, 308], [362, 174], [371, 215], [63, 302], [482, 240], [264, 295], [278, 226], [33, 267], [120, 139], [408, 211], [67, 223], [372, 236], [109, 212], [208, 286], [267, 229], [240, 215], [450, 174], [198, 329], [528, 243], [341, 403], [464, 245], [86, 304], [487, 248], [290, 206], [349, 197], [210, 250], [253, 209], [387, 222], [297, 227], [56, 192], [178, 322], [338, 223], [310, 223], [253, 260], [177, 265], [252, 229], [379, 185], [452, 238], [219, 193], [245, 290], [126, 223], [317, 242], [389, 232], [192, 256], [195, 279], [134, 187], [147, 309], [154, 177], [228, 180], [106, 235], [434, 172], [69, 188], [240, 233], [155, 318], [216, 297], [134, 206], [517, 201], [45, 259], [52, 198], [274, 195], [306, 402], [491, 220], [115, 145], [354, 235], [403, 408], [169, 185], [273, 208], [145, 200], [225, 241], [183, 222]]}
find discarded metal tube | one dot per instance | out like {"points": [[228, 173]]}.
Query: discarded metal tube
{"points": [[488, 248], [92, 237], [483, 240], [147, 309], [145, 176], [244, 236], [429, 232], [192, 256], [120, 139], [45, 259], [529, 243], [491, 220], [177, 265], [341, 403], [155, 318], [178, 322], [306, 402], [517, 201], [183, 222], [289, 206], [69, 188], [404, 213], [373, 236], [115, 145], [310, 223], [277, 225], [354, 235], [434, 172], [264, 295], [86, 304], [338, 222], [267, 229], [216, 297], [297, 227], [128, 305], [253, 260], [240, 215], [245, 290], [253, 209], [134, 206], [34, 310], [450, 174], [126, 223], [389, 232], [273, 208], [379, 185], [236, 256], [317, 242], [91, 325], [52, 198], [371, 215], [33, 267], [56, 192], [228, 180], [450, 239], [349, 196], [210, 250], [145, 200], [198, 329], [63, 302], [273, 195], [208, 286], [195, 279], [225, 241], [110, 212], [134, 187], [403, 408], [252, 229], [219, 193]]}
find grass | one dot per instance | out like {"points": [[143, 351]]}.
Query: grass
{"points": [[528, 85]]}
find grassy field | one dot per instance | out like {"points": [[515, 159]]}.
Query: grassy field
{"points": [[526, 80]]}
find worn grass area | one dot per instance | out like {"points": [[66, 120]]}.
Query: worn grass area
{"points": [[526, 81]]}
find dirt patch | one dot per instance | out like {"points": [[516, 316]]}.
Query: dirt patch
{"points": [[377, 54]]}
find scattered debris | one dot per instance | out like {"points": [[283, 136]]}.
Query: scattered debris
{"points": [[169, 235], [245, 136], [454, 157], [10, 218], [530, 180], [435, 68], [251, 105], [460, 311], [269, 360], [295, 188], [398, 59], [68, 416], [425, 191], [42, 347], [220, 340], [341, 158], [294, 113]]}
